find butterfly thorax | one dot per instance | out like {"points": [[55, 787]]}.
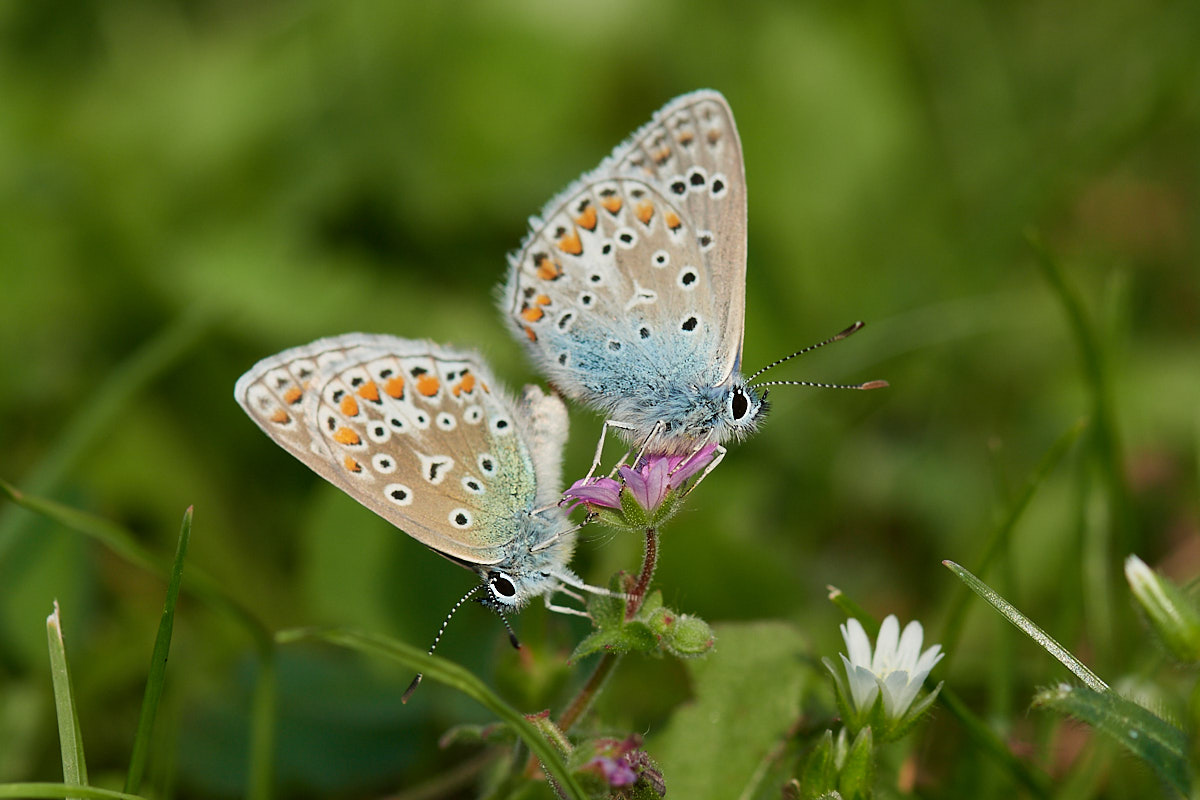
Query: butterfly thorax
{"points": [[680, 418]]}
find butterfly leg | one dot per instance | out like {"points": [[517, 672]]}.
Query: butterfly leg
{"points": [[574, 612], [608, 423], [718, 456]]}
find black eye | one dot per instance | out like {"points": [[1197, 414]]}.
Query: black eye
{"points": [[502, 585], [739, 405]]}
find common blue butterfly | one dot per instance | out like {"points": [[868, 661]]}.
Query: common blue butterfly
{"points": [[425, 437], [629, 290]]}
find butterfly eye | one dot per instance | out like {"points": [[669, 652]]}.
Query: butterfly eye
{"points": [[502, 585], [738, 404]]}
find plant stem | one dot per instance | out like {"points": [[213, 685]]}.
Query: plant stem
{"points": [[649, 563], [587, 693]]}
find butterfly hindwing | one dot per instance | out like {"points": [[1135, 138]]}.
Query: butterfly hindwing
{"points": [[419, 433]]}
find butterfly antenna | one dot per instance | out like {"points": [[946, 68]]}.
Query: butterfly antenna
{"points": [[512, 637], [857, 326], [412, 687], [862, 386]]}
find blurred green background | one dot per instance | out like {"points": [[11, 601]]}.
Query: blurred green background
{"points": [[188, 186]]}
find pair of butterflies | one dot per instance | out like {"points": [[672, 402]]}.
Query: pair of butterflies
{"points": [[629, 294]]}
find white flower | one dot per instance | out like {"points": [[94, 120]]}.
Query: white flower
{"points": [[897, 668]]}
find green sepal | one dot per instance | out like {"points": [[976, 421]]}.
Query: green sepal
{"points": [[681, 635], [819, 774], [857, 776], [1172, 615], [655, 629]]}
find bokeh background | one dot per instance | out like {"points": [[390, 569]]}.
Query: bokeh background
{"points": [[187, 186]]}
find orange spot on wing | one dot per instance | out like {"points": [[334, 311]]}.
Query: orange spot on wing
{"points": [[532, 313], [673, 221], [644, 211], [352, 465], [547, 268], [611, 204], [280, 416], [346, 435], [529, 332], [293, 395], [369, 391], [685, 138], [571, 243], [542, 299], [395, 387], [468, 383], [661, 156], [349, 405], [713, 136], [427, 385], [486, 390], [588, 217]]}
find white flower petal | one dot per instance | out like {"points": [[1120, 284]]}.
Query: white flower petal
{"points": [[885, 645], [928, 661], [910, 646], [862, 684], [858, 646], [900, 690]]}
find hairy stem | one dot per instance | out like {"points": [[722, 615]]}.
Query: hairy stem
{"points": [[649, 562]]}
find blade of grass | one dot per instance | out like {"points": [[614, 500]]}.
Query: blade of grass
{"points": [[207, 590], [1116, 533], [158, 664], [1001, 534], [454, 676], [1045, 640], [70, 735], [95, 418], [24, 790]]}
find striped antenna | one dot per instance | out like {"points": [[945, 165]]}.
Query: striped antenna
{"points": [[857, 326], [412, 687]]}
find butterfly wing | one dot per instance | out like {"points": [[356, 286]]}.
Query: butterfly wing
{"points": [[420, 434], [633, 280]]}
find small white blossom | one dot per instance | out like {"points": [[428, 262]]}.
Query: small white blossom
{"points": [[896, 669]]}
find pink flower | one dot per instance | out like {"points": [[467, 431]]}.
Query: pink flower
{"points": [[649, 483]]}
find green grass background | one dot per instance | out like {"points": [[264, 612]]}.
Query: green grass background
{"points": [[186, 187]]}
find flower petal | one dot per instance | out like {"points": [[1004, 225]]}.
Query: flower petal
{"points": [[858, 646], [909, 648], [596, 491], [885, 645], [682, 471]]}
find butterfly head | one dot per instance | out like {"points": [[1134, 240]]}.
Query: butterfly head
{"points": [[531, 570]]}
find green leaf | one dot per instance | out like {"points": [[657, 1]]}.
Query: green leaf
{"points": [[1149, 737], [747, 698], [617, 639], [1045, 640], [454, 676], [158, 664], [70, 737]]}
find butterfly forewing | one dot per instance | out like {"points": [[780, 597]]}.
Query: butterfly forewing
{"points": [[418, 433], [644, 256]]}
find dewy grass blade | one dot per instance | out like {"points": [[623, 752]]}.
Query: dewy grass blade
{"points": [[456, 677], [1149, 737], [158, 664], [1045, 640], [69, 734]]}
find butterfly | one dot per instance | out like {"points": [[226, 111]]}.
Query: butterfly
{"points": [[629, 290], [425, 437]]}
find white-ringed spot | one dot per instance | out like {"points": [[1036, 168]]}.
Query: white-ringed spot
{"points": [[399, 423], [398, 493], [501, 426], [461, 518], [383, 463], [473, 485], [705, 239], [718, 187], [446, 421], [660, 259], [473, 415], [586, 299], [487, 463], [697, 179], [626, 238], [689, 324], [378, 432]]}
